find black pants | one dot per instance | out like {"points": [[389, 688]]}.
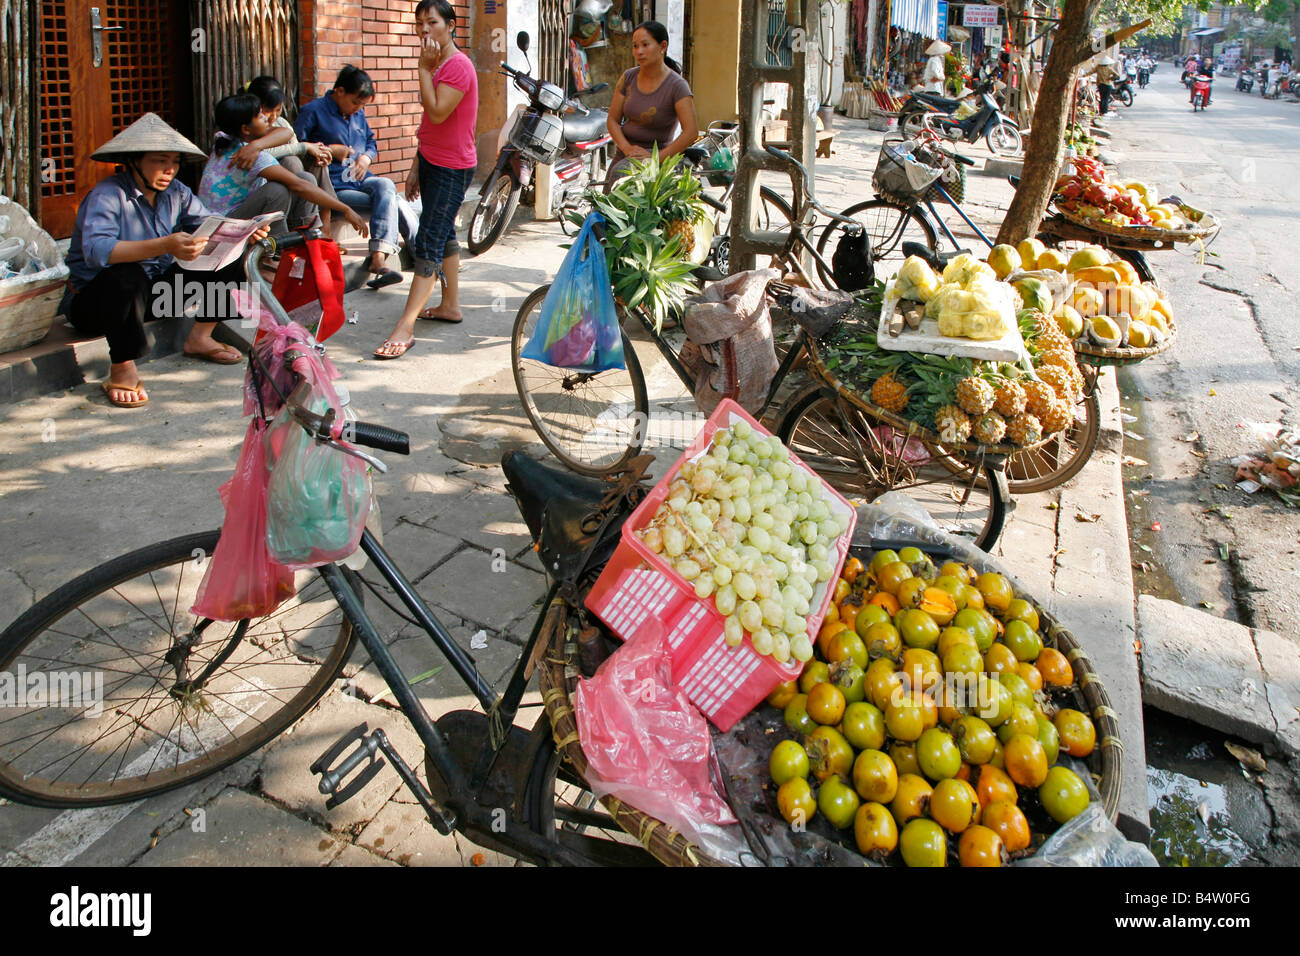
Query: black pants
{"points": [[121, 298], [1106, 91]]}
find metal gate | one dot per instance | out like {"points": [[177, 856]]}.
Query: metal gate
{"points": [[241, 39], [553, 42]]}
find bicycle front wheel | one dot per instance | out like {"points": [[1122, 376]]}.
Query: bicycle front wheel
{"points": [[888, 225], [862, 456], [592, 422], [128, 694]]}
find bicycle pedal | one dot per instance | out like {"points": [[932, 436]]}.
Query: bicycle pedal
{"points": [[368, 747]]}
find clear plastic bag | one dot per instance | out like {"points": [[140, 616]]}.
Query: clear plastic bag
{"points": [[578, 327], [243, 580], [318, 498], [647, 745]]}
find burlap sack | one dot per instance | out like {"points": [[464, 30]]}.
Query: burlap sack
{"points": [[729, 348]]}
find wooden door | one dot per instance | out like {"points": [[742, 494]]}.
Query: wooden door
{"points": [[86, 100]]}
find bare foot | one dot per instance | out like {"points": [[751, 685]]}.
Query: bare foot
{"points": [[442, 314]]}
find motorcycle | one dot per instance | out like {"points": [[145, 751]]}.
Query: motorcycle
{"points": [[920, 103], [1124, 90], [576, 145], [1201, 92], [1000, 133], [1271, 85], [1144, 77], [1246, 80]]}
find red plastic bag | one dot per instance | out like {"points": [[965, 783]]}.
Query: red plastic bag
{"points": [[646, 743], [309, 284], [242, 581]]}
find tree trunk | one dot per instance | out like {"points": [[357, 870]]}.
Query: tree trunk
{"points": [[1070, 46]]}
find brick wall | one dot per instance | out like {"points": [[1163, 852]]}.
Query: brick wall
{"points": [[378, 36]]}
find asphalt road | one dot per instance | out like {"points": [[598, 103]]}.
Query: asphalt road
{"points": [[1236, 361]]}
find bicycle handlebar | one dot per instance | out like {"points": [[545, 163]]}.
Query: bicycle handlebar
{"points": [[855, 227]]}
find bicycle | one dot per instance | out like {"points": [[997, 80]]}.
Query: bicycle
{"points": [[597, 422], [188, 696]]}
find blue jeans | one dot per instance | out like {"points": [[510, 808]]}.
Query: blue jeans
{"points": [[442, 191], [390, 215]]}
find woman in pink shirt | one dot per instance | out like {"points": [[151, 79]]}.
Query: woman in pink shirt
{"points": [[443, 167]]}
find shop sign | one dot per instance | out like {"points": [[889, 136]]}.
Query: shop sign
{"points": [[980, 15], [943, 20], [993, 37]]}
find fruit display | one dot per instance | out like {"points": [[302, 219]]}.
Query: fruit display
{"points": [[1088, 195], [968, 301], [754, 532], [961, 400], [1099, 299], [930, 726]]}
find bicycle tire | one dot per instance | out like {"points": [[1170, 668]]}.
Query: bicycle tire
{"points": [[889, 225], [483, 233], [813, 429], [565, 408], [559, 805], [127, 599]]}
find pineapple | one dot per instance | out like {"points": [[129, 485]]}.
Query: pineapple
{"points": [[1025, 429], [990, 429], [1057, 417], [889, 393], [1009, 399], [974, 395], [953, 424], [1050, 337], [1064, 358], [1037, 396], [1059, 379], [684, 231]]}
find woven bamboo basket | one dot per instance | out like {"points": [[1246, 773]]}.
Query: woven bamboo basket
{"points": [[908, 427], [1100, 357], [558, 675], [1207, 227]]}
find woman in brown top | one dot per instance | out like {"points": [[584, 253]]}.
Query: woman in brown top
{"points": [[650, 102]]}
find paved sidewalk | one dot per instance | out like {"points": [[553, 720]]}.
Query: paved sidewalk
{"points": [[84, 482]]}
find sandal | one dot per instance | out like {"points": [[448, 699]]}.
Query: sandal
{"points": [[384, 277], [137, 390], [219, 354], [402, 349]]}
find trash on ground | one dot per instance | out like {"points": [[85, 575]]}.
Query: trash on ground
{"points": [[1250, 759], [1275, 466]]}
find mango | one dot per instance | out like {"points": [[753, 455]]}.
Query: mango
{"points": [[1051, 259], [1087, 257], [1106, 330], [1157, 322], [1087, 301], [1035, 294], [1004, 260], [1069, 319], [1126, 271], [1140, 335], [1162, 306], [1100, 275], [1030, 250]]}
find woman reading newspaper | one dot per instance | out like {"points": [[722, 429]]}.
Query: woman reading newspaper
{"points": [[131, 230]]}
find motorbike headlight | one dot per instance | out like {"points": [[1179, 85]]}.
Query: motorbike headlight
{"points": [[550, 96]]}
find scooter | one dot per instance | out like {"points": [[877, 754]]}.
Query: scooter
{"points": [[1201, 92], [1144, 77], [1246, 79], [541, 133], [1124, 90], [1000, 133], [1271, 86], [918, 104]]}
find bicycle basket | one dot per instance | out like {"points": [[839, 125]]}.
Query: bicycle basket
{"points": [[900, 176], [952, 176]]}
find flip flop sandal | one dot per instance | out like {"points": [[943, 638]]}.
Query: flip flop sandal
{"points": [[219, 355], [437, 318], [385, 277], [136, 390], [402, 349]]}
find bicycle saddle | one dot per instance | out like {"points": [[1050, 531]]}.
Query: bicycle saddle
{"points": [[936, 260], [694, 154]]}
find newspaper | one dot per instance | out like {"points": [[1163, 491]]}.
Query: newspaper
{"points": [[226, 240]]}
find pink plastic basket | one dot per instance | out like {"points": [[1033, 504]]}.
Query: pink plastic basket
{"points": [[639, 589]]}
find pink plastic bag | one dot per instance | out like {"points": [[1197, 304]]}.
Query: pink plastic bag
{"points": [[645, 743], [242, 581]]}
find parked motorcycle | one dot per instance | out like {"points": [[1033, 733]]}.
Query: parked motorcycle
{"points": [[1124, 90], [1201, 92], [576, 145], [1271, 85], [999, 132], [920, 103], [1246, 80]]}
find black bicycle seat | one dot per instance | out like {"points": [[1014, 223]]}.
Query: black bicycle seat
{"points": [[706, 273], [695, 154], [536, 485], [937, 260]]}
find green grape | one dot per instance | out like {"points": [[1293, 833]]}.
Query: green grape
{"points": [[762, 641], [781, 648], [743, 509], [801, 649], [703, 586], [721, 574], [742, 429], [751, 616], [745, 587], [759, 538], [739, 486], [773, 612], [808, 532], [781, 532], [688, 569], [674, 542], [762, 520], [732, 632], [701, 524], [729, 558], [725, 600]]}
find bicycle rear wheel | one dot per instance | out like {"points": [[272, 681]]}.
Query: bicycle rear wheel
{"points": [[888, 225], [861, 456], [139, 695], [593, 423]]}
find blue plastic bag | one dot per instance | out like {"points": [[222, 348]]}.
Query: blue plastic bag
{"points": [[578, 326]]}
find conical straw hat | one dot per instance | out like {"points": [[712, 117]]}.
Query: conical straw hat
{"points": [[938, 47], [148, 134]]}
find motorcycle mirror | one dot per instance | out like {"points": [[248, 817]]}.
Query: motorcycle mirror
{"points": [[522, 41]]}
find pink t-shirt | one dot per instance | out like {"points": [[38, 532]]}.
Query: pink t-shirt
{"points": [[451, 143]]}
